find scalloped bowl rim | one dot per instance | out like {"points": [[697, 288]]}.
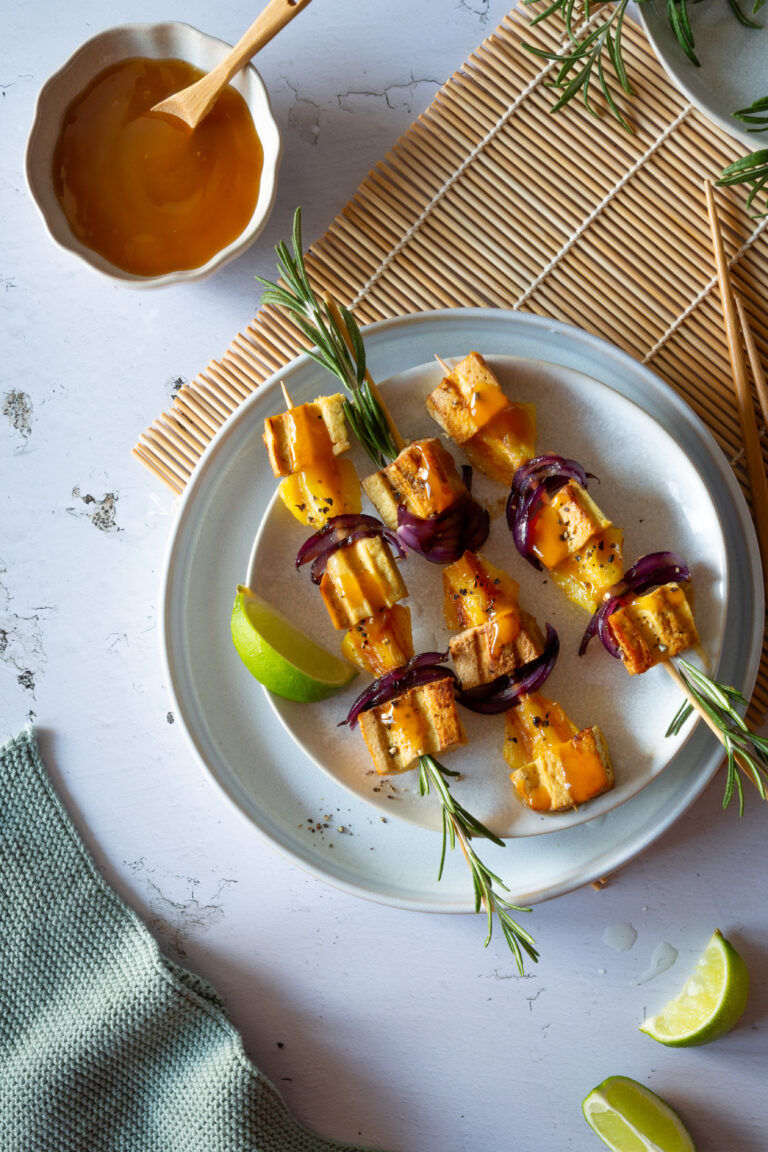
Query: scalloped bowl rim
{"points": [[168, 39]]}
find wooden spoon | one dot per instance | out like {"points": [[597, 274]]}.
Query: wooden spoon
{"points": [[195, 102]]}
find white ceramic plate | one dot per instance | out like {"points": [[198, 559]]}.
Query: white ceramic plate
{"points": [[646, 485], [231, 724], [734, 61]]}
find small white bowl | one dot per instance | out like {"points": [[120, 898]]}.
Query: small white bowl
{"points": [[171, 40]]}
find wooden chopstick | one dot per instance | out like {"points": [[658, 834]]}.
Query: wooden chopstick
{"points": [[746, 408], [758, 375]]}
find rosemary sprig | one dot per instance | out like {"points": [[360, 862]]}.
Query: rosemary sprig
{"points": [[314, 318], [756, 114], [751, 170], [461, 825], [584, 64], [743, 748]]}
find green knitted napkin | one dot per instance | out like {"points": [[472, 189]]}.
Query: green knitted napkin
{"points": [[105, 1045]]}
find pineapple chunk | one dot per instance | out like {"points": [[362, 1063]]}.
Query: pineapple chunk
{"points": [[359, 580], [422, 721], [555, 767], [475, 591], [467, 399], [298, 438], [502, 645], [313, 497], [423, 478], [382, 642], [505, 443], [564, 523], [653, 627], [586, 576]]}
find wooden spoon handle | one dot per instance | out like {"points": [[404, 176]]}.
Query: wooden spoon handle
{"points": [[267, 24], [195, 102]]}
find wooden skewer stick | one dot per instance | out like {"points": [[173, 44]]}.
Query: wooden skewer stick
{"points": [[445, 367], [681, 684], [287, 396], [333, 308], [746, 408], [758, 375]]}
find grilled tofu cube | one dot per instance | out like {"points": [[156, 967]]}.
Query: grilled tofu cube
{"points": [[382, 642], [564, 523], [422, 721], [466, 399], [555, 767], [501, 645], [296, 439], [653, 627], [505, 443], [423, 478], [590, 572], [359, 580], [475, 591]]}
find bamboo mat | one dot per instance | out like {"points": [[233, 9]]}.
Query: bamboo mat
{"points": [[489, 200]]}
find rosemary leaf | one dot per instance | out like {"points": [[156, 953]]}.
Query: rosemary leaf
{"points": [[316, 322], [751, 170], [744, 749], [460, 825]]}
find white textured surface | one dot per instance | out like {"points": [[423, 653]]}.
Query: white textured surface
{"points": [[383, 1026]]}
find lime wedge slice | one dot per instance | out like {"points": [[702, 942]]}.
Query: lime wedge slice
{"points": [[630, 1118], [712, 1000], [281, 657]]}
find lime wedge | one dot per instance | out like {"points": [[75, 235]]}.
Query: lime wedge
{"points": [[711, 1002], [281, 657], [630, 1118]]}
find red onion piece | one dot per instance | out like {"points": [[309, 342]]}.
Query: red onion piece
{"points": [[654, 569], [648, 572], [337, 533], [441, 539], [542, 476], [506, 691], [419, 670]]}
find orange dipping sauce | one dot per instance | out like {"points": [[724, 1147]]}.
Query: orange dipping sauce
{"points": [[145, 191]]}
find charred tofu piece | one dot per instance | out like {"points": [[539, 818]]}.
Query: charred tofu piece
{"points": [[496, 434], [589, 573], [359, 580], [502, 645], [564, 524], [296, 439], [422, 721], [653, 627], [475, 591], [382, 642], [423, 478], [555, 766], [466, 399]]}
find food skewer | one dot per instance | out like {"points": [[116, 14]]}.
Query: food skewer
{"points": [[642, 616], [734, 330], [410, 712], [758, 375]]}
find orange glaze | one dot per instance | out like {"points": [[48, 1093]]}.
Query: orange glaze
{"points": [[550, 537], [405, 724], [514, 424], [503, 631], [584, 771], [438, 491], [485, 403], [145, 191], [320, 485], [382, 642]]}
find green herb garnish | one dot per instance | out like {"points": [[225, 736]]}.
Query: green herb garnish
{"points": [[458, 824], [315, 319]]}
